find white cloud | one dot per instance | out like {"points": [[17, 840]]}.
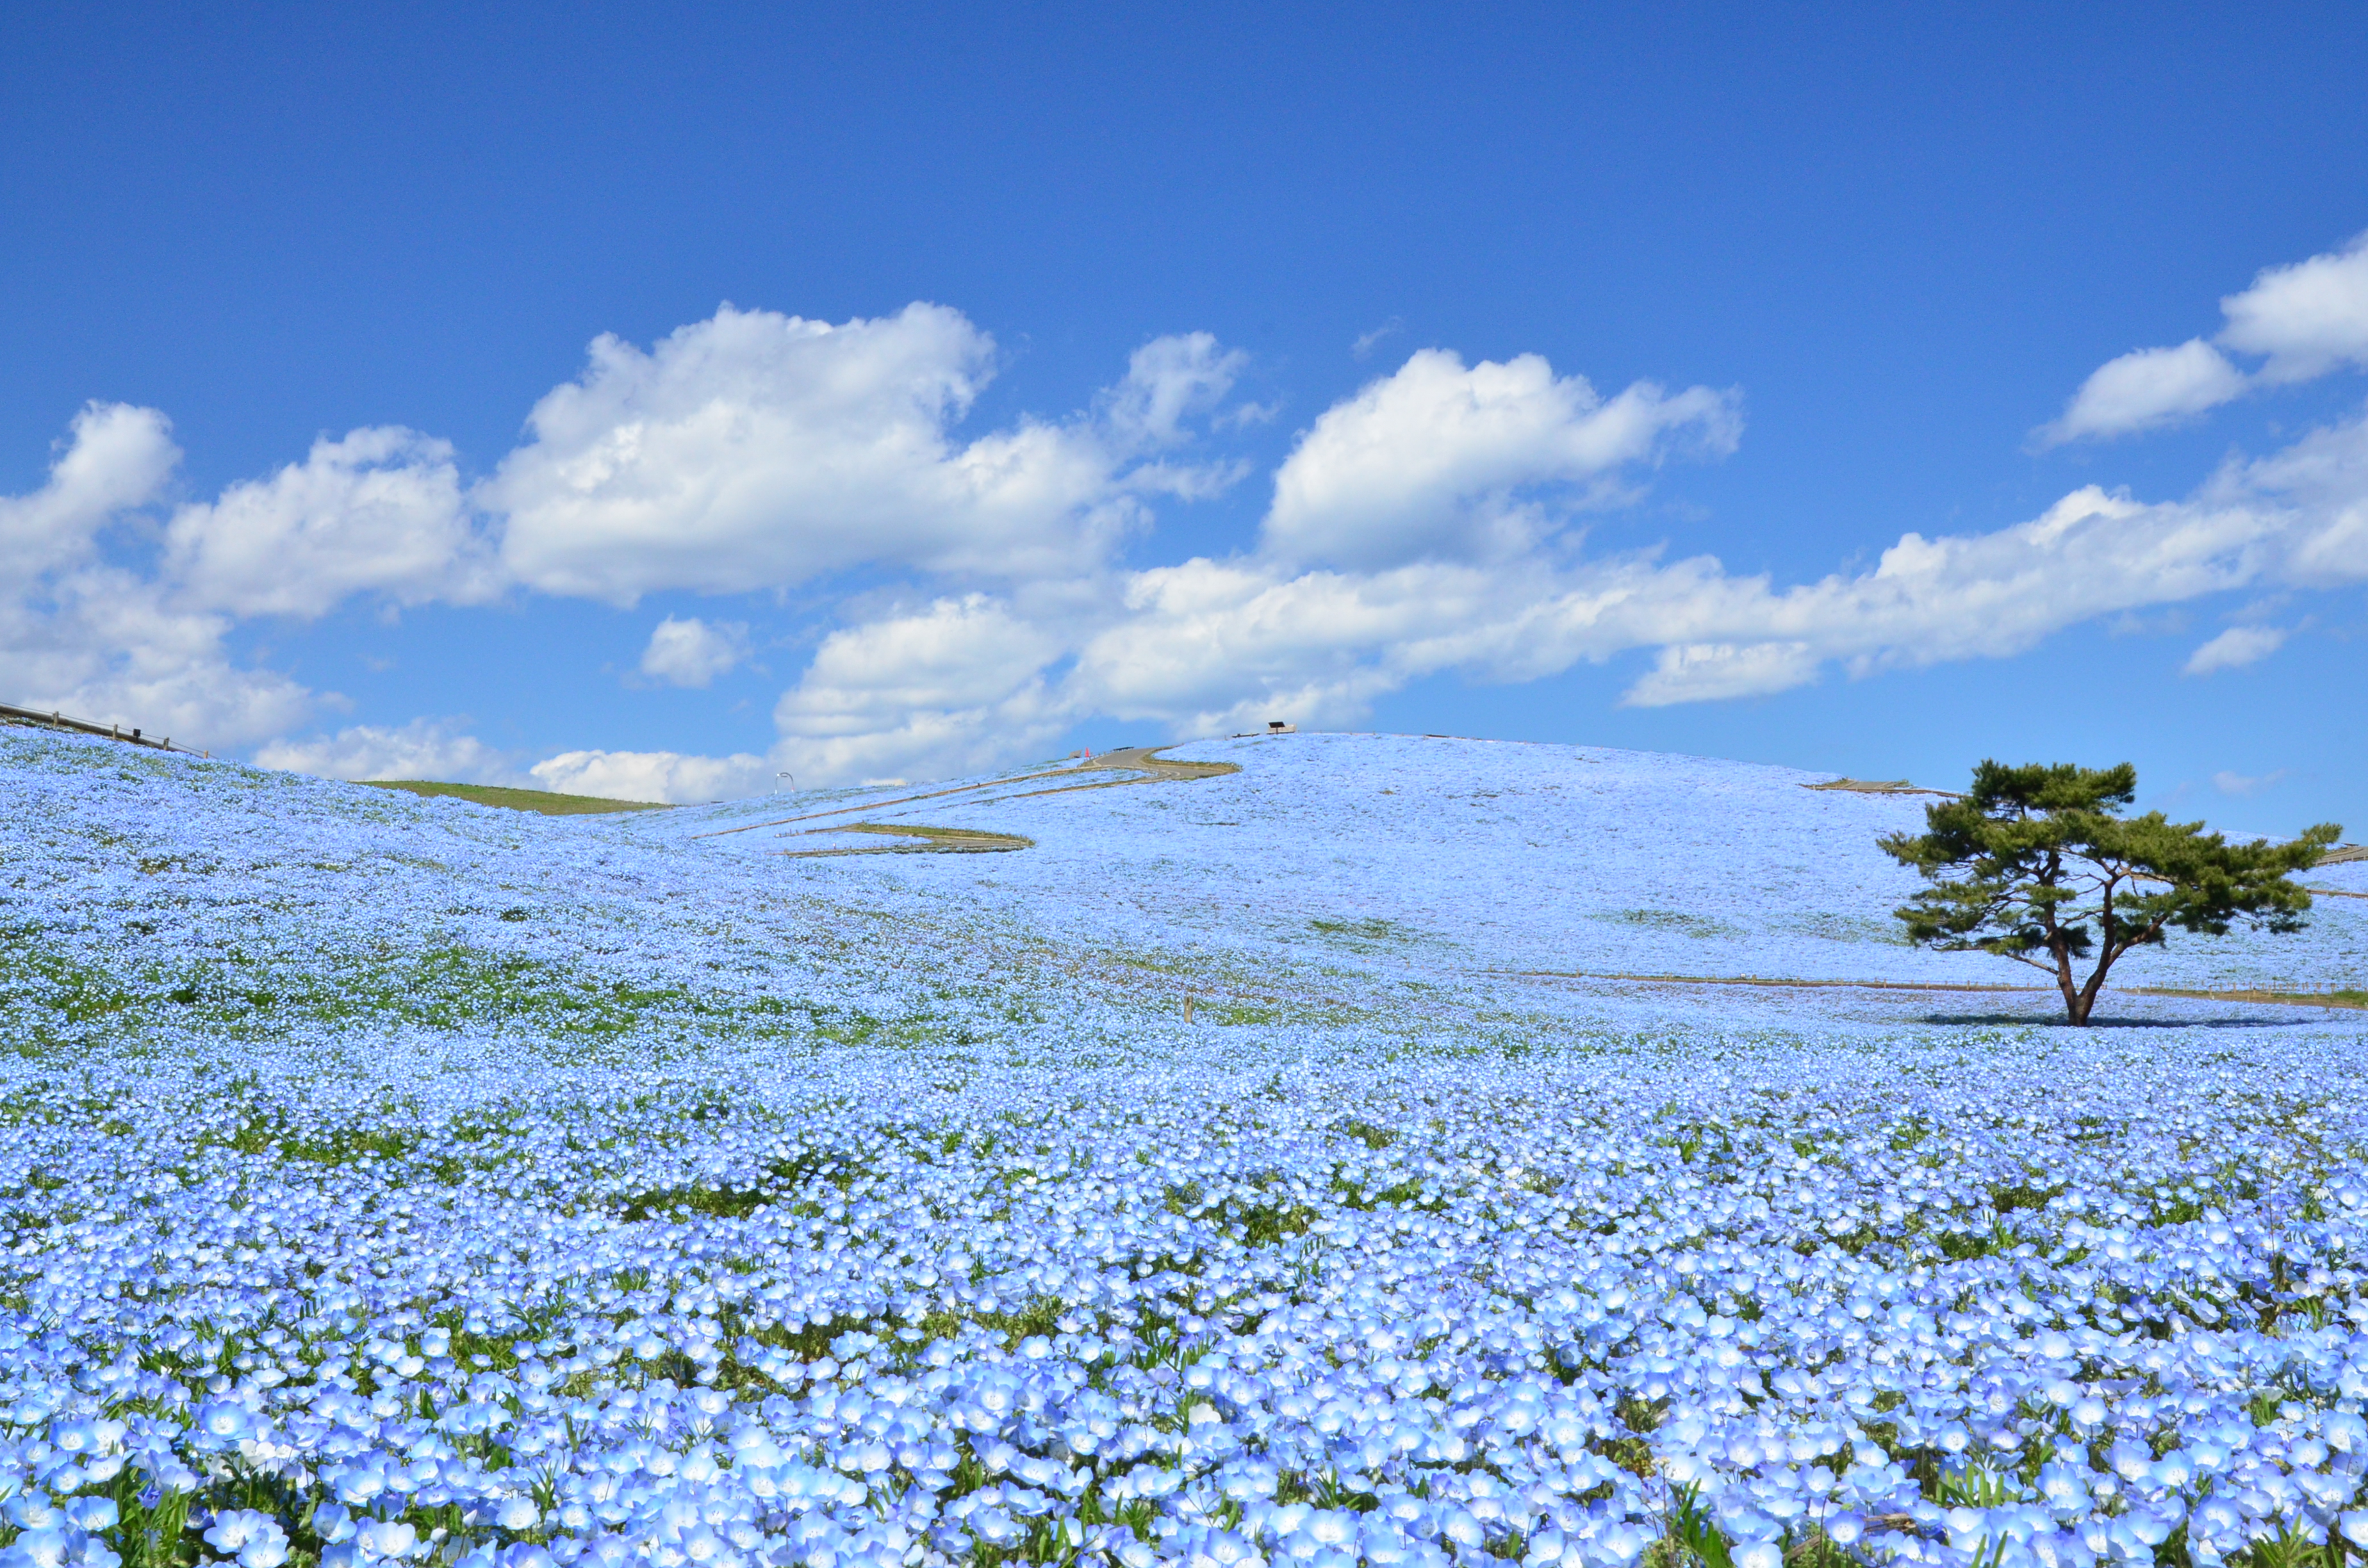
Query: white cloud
{"points": [[756, 450], [2235, 648], [106, 646], [1422, 525], [2306, 320], [2148, 388], [425, 748], [958, 685], [693, 652], [1702, 672], [1367, 342], [1209, 645], [664, 776], [1212, 642], [749, 450], [102, 642], [115, 458], [1219, 644], [1168, 379], [1441, 461], [2241, 785], [433, 749], [380, 511]]}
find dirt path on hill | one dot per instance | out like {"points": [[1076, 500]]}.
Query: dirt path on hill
{"points": [[1144, 762], [934, 841]]}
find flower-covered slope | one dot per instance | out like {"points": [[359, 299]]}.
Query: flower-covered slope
{"points": [[402, 1181], [1475, 856]]}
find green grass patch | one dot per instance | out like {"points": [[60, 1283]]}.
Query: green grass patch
{"points": [[1676, 922], [1362, 930], [541, 801], [931, 840], [2348, 997]]}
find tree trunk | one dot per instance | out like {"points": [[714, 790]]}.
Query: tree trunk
{"points": [[2088, 997], [2076, 1005]]}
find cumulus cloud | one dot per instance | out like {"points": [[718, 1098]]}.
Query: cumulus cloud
{"points": [[2309, 318], [2148, 388], [692, 652], [108, 648], [438, 750], [86, 636], [1210, 641], [959, 684], [1213, 644], [752, 451], [1424, 524], [663, 776], [379, 511], [955, 686], [425, 748], [2305, 320], [759, 450], [1444, 461], [115, 458], [2235, 648], [1703, 672]]}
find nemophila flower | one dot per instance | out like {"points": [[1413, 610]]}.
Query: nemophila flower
{"points": [[382, 1538], [91, 1513], [256, 1539], [768, 1291], [45, 1547]]}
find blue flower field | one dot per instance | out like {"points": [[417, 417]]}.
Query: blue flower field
{"points": [[1299, 1165]]}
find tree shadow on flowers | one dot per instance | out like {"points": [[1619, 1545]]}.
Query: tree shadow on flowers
{"points": [[2097, 1021]]}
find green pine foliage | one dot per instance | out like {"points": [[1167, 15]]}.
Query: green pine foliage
{"points": [[2037, 864]]}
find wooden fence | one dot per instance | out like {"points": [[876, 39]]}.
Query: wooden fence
{"points": [[53, 720]]}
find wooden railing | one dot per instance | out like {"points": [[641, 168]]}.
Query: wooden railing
{"points": [[54, 721]]}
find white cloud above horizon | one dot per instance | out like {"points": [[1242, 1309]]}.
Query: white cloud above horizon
{"points": [[1442, 460], [435, 749], [2304, 321], [379, 511], [2235, 648], [1431, 522], [759, 450], [2243, 786], [666, 777], [689, 651], [86, 636]]}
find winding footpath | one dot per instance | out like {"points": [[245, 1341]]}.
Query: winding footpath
{"points": [[1144, 762]]}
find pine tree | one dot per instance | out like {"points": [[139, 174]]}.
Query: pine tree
{"points": [[2035, 864]]}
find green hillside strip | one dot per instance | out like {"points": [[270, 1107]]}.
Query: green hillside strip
{"points": [[539, 801], [2348, 998], [933, 841], [1877, 786]]}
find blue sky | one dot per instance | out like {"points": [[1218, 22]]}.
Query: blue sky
{"points": [[1398, 369]]}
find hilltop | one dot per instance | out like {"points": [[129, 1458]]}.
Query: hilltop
{"points": [[1287, 876]]}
